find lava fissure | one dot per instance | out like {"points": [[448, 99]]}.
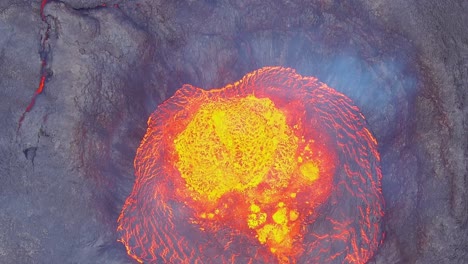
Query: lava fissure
{"points": [[43, 54], [276, 161]]}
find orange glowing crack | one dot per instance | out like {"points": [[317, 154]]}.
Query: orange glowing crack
{"points": [[43, 78], [44, 73], [248, 165], [38, 91]]}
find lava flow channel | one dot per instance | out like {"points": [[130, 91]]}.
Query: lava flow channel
{"points": [[275, 168]]}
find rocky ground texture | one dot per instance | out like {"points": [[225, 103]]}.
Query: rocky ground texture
{"points": [[65, 172]]}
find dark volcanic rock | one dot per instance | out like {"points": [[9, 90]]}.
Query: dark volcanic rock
{"points": [[65, 173], [89, 4], [437, 151]]}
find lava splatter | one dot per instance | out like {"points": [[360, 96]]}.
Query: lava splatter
{"points": [[275, 168]]}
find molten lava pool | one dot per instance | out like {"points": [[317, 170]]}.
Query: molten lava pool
{"points": [[275, 168]]}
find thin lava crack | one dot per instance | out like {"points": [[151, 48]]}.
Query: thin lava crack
{"points": [[44, 52], [44, 72]]}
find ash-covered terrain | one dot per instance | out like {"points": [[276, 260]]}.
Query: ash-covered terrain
{"points": [[67, 169]]}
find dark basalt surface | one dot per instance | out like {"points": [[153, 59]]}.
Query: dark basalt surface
{"points": [[65, 173]]}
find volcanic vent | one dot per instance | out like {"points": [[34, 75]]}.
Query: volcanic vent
{"points": [[275, 168]]}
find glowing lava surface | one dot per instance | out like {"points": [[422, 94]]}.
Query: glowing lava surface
{"points": [[275, 168]]}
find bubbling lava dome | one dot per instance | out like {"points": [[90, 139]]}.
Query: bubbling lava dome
{"points": [[275, 168]]}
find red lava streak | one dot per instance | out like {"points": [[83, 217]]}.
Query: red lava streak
{"points": [[43, 4], [275, 168], [42, 81], [44, 73]]}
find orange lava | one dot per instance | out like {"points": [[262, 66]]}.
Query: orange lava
{"points": [[275, 168]]}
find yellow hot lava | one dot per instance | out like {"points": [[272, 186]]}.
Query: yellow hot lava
{"points": [[234, 145], [244, 145], [243, 174]]}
